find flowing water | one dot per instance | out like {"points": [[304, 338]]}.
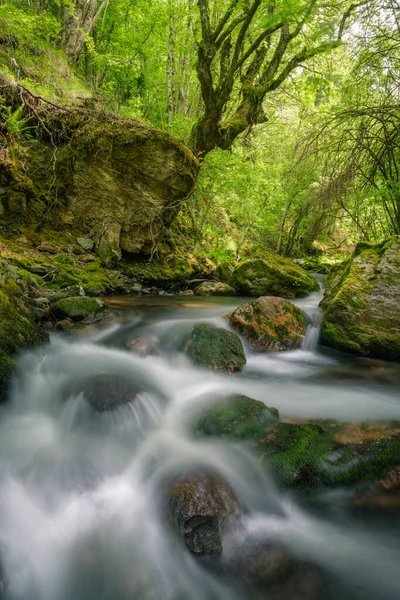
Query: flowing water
{"points": [[82, 496]]}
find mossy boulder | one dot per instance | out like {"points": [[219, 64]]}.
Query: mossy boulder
{"points": [[18, 330], [79, 308], [323, 454], [214, 288], [114, 177], [215, 348], [269, 324], [224, 271], [361, 302], [272, 275], [237, 417]]}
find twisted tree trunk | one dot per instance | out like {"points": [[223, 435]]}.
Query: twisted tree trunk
{"points": [[80, 17]]}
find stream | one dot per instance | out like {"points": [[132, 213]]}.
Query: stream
{"points": [[82, 491]]}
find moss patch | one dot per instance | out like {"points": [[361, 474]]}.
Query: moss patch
{"points": [[215, 348], [272, 275]]}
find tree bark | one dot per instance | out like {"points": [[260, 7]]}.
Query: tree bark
{"points": [[80, 17]]}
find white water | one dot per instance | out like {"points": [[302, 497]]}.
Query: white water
{"points": [[81, 496]]}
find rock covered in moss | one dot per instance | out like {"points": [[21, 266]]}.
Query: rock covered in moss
{"points": [[237, 417], [224, 271], [269, 324], [214, 288], [201, 506], [272, 275], [18, 330], [361, 302], [215, 348], [79, 308], [322, 454]]}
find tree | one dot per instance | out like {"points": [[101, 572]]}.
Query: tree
{"points": [[247, 51], [80, 17]]}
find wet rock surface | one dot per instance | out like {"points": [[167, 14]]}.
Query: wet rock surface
{"points": [[269, 324], [237, 417], [200, 507], [215, 348]]}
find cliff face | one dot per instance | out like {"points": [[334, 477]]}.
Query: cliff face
{"points": [[110, 179]]}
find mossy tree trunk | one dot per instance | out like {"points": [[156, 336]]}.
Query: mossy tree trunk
{"points": [[239, 62], [80, 17]]}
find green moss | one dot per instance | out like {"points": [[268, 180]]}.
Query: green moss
{"points": [[238, 417], [77, 308], [272, 275], [215, 348], [17, 326]]}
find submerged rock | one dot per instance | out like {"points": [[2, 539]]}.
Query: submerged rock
{"points": [[270, 324], [361, 302], [215, 348], [201, 507], [278, 575], [79, 308], [237, 417], [214, 288], [272, 275], [109, 392]]}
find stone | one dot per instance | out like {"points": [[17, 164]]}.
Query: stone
{"points": [[201, 506], [215, 348], [85, 243], [79, 308], [136, 288], [272, 275], [224, 271], [269, 324], [188, 293], [68, 292], [361, 302], [237, 417], [277, 574], [214, 288], [17, 202], [147, 346], [109, 392]]}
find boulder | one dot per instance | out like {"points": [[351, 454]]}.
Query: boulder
{"points": [[107, 393], [272, 275], [224, 271], [215, 348], [361, 302], [269, 324], [277, 574], [119, 179], [85, 243], [237, 417], [201, 507], [214, 288], [79, 308]]}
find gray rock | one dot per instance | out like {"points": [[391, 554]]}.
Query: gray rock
{"points": [[85, 243], [214, 288], [201, 507], [136, 288]]}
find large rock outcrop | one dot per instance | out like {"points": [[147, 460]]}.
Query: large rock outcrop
{"points": [[18, 329], [105, 178], [272, 275], [269, 324], [361, 303]]}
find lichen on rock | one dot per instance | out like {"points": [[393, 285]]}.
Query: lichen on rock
{"points": [[269, 324]]}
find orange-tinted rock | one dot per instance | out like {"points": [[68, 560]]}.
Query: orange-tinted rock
{"points": [[270, 324]]}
